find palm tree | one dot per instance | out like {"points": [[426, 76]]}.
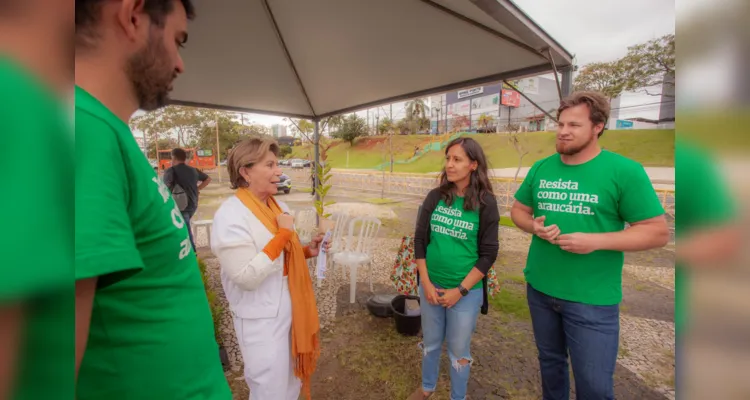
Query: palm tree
{"points": [[416, 109], [334, 122]]}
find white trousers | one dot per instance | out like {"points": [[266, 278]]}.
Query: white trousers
{"points": [[266, 349]]}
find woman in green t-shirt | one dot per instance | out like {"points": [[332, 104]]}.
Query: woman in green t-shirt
{"points": [[455, 244]]}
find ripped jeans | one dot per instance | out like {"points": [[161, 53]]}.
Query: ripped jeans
{"points": [[454, 325]]}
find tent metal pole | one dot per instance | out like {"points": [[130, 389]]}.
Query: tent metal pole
{"points": [[316, 181], [554, 72], [529, 100], [567, 81]]}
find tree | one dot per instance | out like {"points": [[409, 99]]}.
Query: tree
{"points": [[646, 64], [605, 77], [153, 131], [416, 109], [416, 115], [284, 151], [333, 122], [304, 127], [419, 124], [520, 144], [403, 127], [385, 126], [352, 128], [230, 132], [183, 122], [186, 121], [485, 121], [162, 144], [459, 123]]}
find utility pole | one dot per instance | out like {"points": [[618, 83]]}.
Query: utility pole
{"points": [[218, 150]]}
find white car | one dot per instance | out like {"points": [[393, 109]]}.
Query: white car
{"points": [[298, 163]]}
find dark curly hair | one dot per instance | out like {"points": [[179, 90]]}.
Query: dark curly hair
{"points": [[479, 181]]}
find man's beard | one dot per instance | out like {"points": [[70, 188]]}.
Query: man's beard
{"points": [[149, 74], [570, 150]]}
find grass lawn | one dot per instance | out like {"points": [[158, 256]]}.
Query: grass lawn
{"points": [[378, 200], [653, 148], [367, 152]]}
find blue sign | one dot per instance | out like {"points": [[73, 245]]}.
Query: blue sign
{"points": [[624, 124]]}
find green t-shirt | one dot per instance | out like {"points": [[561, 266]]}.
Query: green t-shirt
{"points": [[696, 176], [453, 249], [595, 197], [37, 267], [151, 334]]}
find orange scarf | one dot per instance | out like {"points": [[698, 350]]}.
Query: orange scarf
{"points": [[305, 324]]}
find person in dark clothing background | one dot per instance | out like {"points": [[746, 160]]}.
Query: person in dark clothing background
{"points": [[192, 182]]}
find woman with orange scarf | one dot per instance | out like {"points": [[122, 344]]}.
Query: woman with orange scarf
{"points": [[265, 277]]}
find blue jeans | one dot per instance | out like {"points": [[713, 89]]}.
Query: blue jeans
{"points": [[186, 215], [589, 333], [454, 325]]}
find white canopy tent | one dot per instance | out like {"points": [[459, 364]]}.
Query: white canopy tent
{"points": [[317, 58]]}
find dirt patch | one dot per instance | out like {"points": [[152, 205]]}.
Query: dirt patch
{"points": [[364, 357], [369, 143]]}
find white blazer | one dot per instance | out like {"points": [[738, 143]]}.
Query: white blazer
{"points": [[252, 282]]}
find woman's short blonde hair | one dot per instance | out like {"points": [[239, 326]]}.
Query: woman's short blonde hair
{"points": [[246, 154]]}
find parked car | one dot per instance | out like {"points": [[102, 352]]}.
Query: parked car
{"points": [[306, 163], [284, 184], [284, 162], [297, 163]]}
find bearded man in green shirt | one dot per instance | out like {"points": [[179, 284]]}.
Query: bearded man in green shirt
{"points": [[143, 325], [576, 203]]}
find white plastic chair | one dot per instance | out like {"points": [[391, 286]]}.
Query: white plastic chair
{"points": [[340, 219], [358, 251], [304, 224]]}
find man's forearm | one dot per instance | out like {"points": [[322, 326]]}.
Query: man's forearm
{"points": [[634, 238], [522, 220]]}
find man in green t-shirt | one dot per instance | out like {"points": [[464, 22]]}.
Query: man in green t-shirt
{"points": [[576, 204], [143, 325], [36, 282]]}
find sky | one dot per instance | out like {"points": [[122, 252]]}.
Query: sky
{"points": [[602, 30], [593, 30]]}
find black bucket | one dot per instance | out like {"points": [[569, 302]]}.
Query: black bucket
{"points": [[408, 325]]}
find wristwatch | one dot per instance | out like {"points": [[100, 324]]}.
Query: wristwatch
{"points": [[463, 290]]}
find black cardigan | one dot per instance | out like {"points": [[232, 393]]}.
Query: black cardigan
{"points": [[488, 246]]}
